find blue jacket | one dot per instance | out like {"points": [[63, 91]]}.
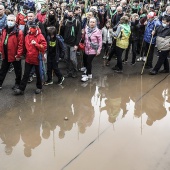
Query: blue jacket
{"points": [[3, 21], [148, 32]]}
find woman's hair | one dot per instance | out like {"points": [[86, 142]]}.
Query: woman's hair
{"points": [[51, 30], [124, 20], [93, 18], [48, 19]]}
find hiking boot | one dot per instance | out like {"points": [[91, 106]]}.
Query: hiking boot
{"points": [[16, 86], [115, 67], [164, 71], [30, 79], [48, 82], [18, 92], [60, 81], [38, 91]]}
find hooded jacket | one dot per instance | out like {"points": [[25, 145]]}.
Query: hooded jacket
{"points": [[15, 44], [20, 18], [33, 50]]}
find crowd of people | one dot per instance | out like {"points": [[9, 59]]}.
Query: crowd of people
{"points": [[60, 30]]}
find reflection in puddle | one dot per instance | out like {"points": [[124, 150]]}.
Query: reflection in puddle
{"points": [[90, 108]]}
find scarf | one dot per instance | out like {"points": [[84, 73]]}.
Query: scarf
{"points": [[91, 30]]}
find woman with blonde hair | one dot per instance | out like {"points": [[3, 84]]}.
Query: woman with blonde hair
{"points": [[122, 35]]}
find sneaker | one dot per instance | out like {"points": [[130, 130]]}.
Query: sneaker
{"points": [[107, 63], [11, 69], [16, 86], [104, 57], [60, 81], [83, 69], [90, 76], [119, 71], [0, 87], [140, 59], [124, 61], [153, 72], [34, 75], [30, 79], [38, 91], [18, 92], [144, 58], [48, 82], [84, 79], [115, 67]]}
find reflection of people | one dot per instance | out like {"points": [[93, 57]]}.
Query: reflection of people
{"points": [[10, 130], [30, 127]]}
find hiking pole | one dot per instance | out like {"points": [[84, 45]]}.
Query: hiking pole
{"points": [[61, 21], [148, 51]]}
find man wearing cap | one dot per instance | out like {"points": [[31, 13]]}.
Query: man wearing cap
{"points": [[11, 48], [22, 17], [35, 43], [151, 25]]}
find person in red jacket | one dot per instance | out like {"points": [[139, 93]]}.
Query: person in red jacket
{"points": [[22, 18], [11, 48], [35, 43]]}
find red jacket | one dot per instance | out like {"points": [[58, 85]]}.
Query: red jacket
{"points": [[33, 50], [20, 19], [15, 44]]}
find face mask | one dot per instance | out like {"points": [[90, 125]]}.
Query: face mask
{"points": [[51, 16], [32, 30], [69, 18], [113, 8], [10, 24], [164, 25]]}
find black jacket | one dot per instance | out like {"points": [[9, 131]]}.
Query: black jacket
{"points": [[134, 30], [71, 38]]}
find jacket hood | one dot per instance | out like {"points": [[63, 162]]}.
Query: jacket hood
{"points": [[126, 28]]}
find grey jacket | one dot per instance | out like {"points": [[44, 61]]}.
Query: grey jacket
{"points": [[105, 33], [163, 44]]}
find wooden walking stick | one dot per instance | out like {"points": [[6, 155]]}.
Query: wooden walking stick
{"points": [[62, 18], [148, 51]]}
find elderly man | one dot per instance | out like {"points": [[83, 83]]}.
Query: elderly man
{"points": [[11, 48]]}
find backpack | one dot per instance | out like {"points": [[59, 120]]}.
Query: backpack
{"points": [[62, 45]]}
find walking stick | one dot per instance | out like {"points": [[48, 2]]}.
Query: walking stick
{"points": [[148, 51]]}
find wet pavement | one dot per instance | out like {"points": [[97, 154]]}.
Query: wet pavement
{"points": [[115, 122]]}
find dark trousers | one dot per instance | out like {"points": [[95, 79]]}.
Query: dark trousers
{"points": [[119, 52], [5, 67], [24, 81], [150, 55], [112, 50], [53, 65], [88, 62], [134, 50], [162, 60], [106, 48]]}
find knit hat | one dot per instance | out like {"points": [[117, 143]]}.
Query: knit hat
{"points": [[151, 15]]}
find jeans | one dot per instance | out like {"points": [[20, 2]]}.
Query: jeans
{"points": [[24, 81], [5, 67], [162, 60], [71, 59]]}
